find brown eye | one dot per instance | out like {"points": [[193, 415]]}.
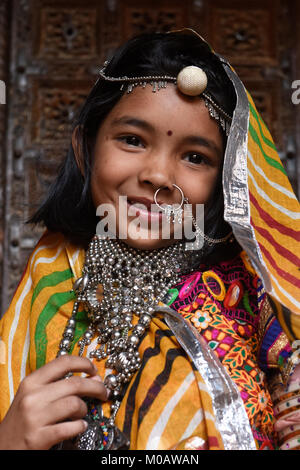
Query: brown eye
{"points": [[131, 140], [196, 158]]}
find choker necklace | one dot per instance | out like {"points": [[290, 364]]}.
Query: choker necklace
{"points": [[117, 281]]}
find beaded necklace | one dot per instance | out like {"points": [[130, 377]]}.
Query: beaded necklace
{"points": [[116, 281]]}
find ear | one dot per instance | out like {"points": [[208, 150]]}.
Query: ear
{"points": [[77, 148]]}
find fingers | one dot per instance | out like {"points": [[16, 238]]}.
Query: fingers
{"points": [[61, 366], [51, 435], [67, 408], [293, 418], [280, 425], [79, 386], [67, 430]]}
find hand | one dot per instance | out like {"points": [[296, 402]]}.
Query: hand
{"points": [[47, 410], [294, 417]]}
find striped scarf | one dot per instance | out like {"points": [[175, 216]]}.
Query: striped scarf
{"points": [[274, 216]]}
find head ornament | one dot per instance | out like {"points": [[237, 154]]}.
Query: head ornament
{"points": [[191, 81]]}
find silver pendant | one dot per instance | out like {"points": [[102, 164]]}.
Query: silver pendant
{"points": [[101, 433]]}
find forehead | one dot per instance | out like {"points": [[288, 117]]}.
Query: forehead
{"points": [[166, 109]]}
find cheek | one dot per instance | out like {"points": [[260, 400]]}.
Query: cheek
{"points": [[101, 175], [107, 175], [201, 189]]}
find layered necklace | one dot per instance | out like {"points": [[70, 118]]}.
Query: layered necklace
{"points": [[117, 281]]}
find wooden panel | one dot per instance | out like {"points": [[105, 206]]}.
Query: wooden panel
{"points": [[56, 52], [55, 105], [244, 32], [57, 49], [139, 17], [64, 28]]}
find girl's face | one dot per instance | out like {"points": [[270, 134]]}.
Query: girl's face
{"points": [[150, 141]]}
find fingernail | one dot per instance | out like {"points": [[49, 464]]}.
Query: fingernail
{"points": [[97, 377]]}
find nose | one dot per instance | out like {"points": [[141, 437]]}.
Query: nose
{"points": [[158, 172]]}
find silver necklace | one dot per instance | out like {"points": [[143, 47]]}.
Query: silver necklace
{"points": [[116, 281]]}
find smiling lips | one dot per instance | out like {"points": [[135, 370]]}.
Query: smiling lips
{"points": [[140, 203]]}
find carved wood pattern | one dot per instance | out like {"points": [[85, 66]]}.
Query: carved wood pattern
{"points": [[140, 18], [245, 34], [63, 30], [55, 107], [57, 49]]}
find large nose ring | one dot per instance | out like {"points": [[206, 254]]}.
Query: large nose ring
{"points": [[169, 209]]}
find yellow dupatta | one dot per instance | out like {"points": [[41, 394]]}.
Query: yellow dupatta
{"points": [[167, 401]]}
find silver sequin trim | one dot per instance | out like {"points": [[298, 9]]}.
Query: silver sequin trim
{"points": [[230, 414]]}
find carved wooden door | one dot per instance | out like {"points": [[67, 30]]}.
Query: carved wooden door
{"points": [[50, 52]]}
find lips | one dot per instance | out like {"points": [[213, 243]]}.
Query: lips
{"points": [[149, 204]]}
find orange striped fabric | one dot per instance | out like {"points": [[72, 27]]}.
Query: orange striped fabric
{"points": [[166, 403], [275, 216]]}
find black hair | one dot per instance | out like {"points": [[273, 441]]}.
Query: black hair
{"points": [[68, 207]]}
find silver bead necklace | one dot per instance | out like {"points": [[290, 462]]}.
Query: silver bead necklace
{"points": [[117, 281]]}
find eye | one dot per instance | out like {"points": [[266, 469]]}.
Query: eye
{"points": [[131, 140], [196, 158]]}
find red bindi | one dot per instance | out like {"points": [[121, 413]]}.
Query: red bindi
{"points": [[169, 132]]}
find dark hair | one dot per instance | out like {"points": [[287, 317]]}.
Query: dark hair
{"points": [[68, 207]]}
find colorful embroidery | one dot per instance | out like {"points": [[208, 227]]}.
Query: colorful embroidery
{"points": [[189, 285], [234, 294], [217, 289], [201, 319], [224, 305]]}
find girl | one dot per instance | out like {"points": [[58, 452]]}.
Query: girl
{"points": [[171, 343]]}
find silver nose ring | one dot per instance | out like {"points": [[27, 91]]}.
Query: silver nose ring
{"points": [[169, 209]]}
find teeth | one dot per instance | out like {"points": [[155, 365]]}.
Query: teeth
{"points": [[151, 207], [141, 205]]}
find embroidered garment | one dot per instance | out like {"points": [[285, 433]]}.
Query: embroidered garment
{"points": [[227, 306]]}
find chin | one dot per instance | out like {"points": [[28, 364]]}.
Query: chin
{"points": [[148, 244]]}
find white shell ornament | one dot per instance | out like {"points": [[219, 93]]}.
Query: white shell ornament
{"points": [[192, 80]]}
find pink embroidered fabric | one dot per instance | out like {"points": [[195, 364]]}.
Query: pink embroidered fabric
{"points": [[226, 305]]}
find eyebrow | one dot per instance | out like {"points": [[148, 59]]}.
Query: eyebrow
{"points": [[133, 121], [191, 139], [204, 142]]}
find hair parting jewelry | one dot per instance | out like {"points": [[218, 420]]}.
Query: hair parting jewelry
{"points": [[191, 81]]}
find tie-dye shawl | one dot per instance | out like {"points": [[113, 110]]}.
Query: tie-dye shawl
{"points": [[168, 384]]}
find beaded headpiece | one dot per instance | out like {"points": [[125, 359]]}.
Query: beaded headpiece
{"points": [[191, 81]]}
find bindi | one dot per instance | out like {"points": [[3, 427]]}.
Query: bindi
{"points": [[169, 133]]}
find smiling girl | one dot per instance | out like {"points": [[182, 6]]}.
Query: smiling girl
{"points": [[120, 341]]}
